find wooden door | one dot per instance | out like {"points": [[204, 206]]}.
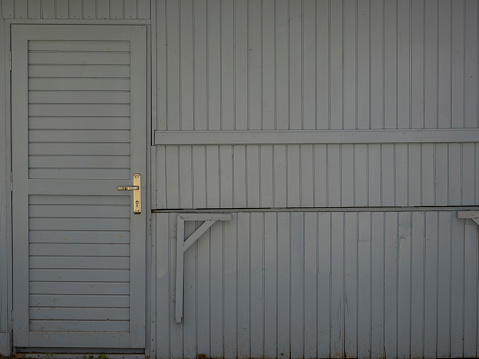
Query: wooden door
{"points": [[78, 132]]}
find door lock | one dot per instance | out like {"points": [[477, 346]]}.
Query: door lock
{"points": [[136, 188]]}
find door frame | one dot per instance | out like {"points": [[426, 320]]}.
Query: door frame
{"points": [[10, 101]]}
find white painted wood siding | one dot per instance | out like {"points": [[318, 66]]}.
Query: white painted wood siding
{"points": [[320, 284], [236, 65], [76, 9]]}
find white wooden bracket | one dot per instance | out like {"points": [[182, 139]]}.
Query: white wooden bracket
{"points": [[183, 244], [474, 215]]}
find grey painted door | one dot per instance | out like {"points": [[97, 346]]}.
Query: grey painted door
{"points": [[78, 132]]}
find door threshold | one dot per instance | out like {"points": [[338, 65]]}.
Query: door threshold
{"points": [[68, 354]]}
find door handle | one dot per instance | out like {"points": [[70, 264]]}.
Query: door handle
{"points": [[136, 188], [128, 188]]}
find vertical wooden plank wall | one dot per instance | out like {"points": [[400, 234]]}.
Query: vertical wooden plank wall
{"points": [[319, 284], [77, 9], [396, 64], [382, 65], [333, 175], [304, 283]]}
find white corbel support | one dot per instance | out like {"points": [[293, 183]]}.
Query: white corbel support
{"points": [[474, 215], [183, 244]]}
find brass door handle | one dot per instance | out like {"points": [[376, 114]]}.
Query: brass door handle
{"points": [[128, 188], [136, 188]]}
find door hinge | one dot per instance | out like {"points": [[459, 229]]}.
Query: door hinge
{"points": [[10, 61], [11, 181]]}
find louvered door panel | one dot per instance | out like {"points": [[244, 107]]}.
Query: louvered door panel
{"points": [[81, 246], [79, 114]]}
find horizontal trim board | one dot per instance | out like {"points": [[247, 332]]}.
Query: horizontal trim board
{"points": [[316, 209], [469, 214], [271, 137]]}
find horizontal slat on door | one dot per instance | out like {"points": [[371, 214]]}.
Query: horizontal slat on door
{"points": [[100, 237], [52, 110], [79, 58], [68, 200], [79, 149], [70, 71], [86, 136], [79, 288], [71, 224], [79, 84], [83, 173], [79, 326], [79, 161], [81, 46], [75, 250], [79, 123], [78, 211], [87, 301], [79, 97], [79, 314], [52, 262], [79, 275], [75, 187]]}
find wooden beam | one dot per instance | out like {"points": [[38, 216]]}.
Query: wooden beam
{"points": [[273, 137]]}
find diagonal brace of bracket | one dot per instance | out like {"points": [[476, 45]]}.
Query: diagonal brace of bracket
{"points": [[182, 245]]}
